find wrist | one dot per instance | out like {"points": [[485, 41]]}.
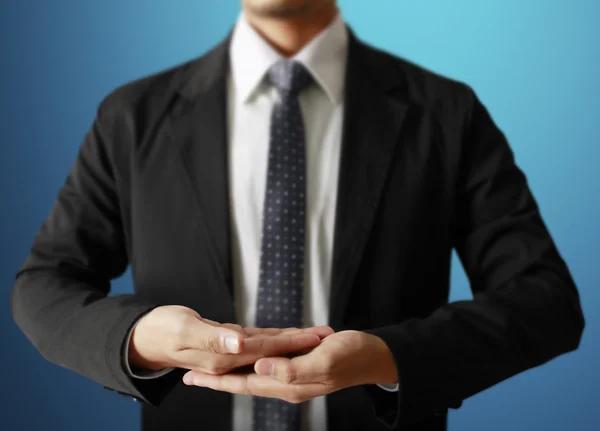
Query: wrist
{"points": [[383, 370], [138, 356]]}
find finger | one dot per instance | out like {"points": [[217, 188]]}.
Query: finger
{"points": [[233, 383], [260, 347], [252, 331], [252, 384], [298, 370], [254, 349], [268, 387], [214, 339], [235, 327], [321, 331]]}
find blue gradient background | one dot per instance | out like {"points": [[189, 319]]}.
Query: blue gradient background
{"points": [[535, 64]]}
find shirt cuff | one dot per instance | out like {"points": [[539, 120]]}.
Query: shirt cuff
{"points": [[139, 373], [393, 387]]}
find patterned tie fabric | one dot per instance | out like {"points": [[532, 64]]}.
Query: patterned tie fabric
{"points": [[281, 279]]}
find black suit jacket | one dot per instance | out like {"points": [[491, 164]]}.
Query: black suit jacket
{"points": [[424, 170]]}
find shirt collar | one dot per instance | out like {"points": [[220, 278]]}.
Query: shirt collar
{"points": [[325, 57]]}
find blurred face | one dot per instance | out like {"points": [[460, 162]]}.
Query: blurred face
{"points": [[284, 8]]}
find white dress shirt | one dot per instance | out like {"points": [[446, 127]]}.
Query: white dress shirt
{"points": [[250, 101]]}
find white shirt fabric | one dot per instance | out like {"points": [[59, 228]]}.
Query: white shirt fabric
{"points": [[251, 100]]}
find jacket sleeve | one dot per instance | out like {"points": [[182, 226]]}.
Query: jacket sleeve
{"points": [[525, 308], [60, 297]]}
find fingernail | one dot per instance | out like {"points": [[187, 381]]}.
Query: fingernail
{"points": [[187, 379], [232, 344], [266, 368]]}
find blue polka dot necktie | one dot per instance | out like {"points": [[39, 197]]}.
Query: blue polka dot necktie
{"points": [[281, 279]]}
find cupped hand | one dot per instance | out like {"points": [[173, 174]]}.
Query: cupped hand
{"points": [[344, 359], [176, 336]]}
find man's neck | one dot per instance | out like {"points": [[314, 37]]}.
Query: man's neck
{"points": [[289, 35]]}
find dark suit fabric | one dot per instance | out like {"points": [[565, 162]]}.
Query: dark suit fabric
{"points": [[424, 170]]}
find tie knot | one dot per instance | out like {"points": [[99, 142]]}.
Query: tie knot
{"points": [[289, 76]]}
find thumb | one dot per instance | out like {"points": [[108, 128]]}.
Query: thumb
{"points": [[217, 339], [313, 367], [286, 370]]}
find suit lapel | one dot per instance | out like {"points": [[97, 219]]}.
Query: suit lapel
{"points": [[373, 121], [199, 128], [372, 124]]}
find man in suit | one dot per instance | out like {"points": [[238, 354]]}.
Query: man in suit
{"points": [[295, 177]]}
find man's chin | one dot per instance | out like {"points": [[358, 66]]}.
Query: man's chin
{"points": [[279, 8]]}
